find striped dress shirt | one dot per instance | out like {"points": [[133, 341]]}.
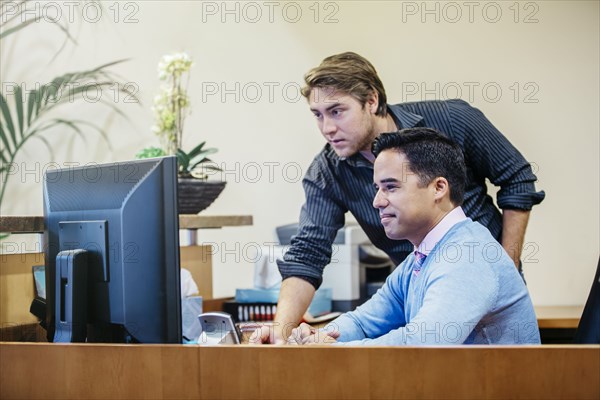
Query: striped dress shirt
{"points": [[334, 186]]}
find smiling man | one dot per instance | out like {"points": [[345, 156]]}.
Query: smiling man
{"points": [[458, 286], [349, 103]]}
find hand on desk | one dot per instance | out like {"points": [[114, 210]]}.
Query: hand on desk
{"points": [[267, 334], [302, 335], [307, 335]]}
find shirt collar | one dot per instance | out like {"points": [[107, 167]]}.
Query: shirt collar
{"points": [[437, 233], [403, 118], [357, 160]]}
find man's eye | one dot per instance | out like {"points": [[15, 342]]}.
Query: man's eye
{"points": [[335, 113]]}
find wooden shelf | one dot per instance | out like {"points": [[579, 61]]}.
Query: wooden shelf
{"points": [[35, 224], [22, 224], [187, 221]]}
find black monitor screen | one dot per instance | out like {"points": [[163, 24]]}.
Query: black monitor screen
{"points": [[112, 253]]}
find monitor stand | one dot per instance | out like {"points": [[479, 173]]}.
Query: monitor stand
{"points": [[82, 260], [71, 296]]}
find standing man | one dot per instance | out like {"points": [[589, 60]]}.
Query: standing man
{"points": [[349, 103]]}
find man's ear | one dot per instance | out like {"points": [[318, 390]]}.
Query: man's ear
{"points": [[373, 101], [441, 188]]}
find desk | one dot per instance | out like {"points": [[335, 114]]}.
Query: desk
{"points": [[562, 317], [79, 371], [558, 324]]}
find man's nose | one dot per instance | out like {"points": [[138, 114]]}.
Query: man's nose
{"points": [[379, 201], [328, 127]]}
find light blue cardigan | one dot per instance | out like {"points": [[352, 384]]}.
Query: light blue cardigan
{"points": [[468, 291]]}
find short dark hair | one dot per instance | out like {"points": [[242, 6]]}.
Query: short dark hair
{"points": [[349, 73], [431, 155]]}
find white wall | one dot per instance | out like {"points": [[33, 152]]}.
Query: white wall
{"points": [[542, 55]]}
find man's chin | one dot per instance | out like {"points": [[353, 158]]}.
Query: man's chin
{"points": [[391, 235], [344, 153], [394, 235]]}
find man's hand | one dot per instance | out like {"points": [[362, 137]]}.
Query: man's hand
{"points": [[307, 335], [294, 297], [268, 334]]}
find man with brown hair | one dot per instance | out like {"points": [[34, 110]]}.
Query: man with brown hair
{"points": [[349, 103]]}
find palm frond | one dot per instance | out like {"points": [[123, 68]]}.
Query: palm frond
{"points": [[8, 121], [19, 109], [16, 28], [24, 114], [4, 138], [3, 157]]}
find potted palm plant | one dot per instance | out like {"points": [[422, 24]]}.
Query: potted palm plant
{"points": [[171, 106], [26, 115]]}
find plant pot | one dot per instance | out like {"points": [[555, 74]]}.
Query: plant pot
{"points": [[195, 194]]}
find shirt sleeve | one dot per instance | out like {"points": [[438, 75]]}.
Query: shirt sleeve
{"points": [[492, 156], [382, 313], [448, 315], [320, 218]]}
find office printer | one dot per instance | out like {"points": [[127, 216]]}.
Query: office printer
{"points": [[357, 269]]}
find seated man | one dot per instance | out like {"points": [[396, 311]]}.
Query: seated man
{"points": [[459, 285]]}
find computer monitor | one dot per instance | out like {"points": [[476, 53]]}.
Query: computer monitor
{"points": [[112, 253]]}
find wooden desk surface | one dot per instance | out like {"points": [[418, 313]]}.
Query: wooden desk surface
{"points": [[35, 224], [189, 221], [558, 316], [79, 371]]}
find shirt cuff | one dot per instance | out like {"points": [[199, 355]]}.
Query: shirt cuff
{"points": [[288, 269], [520, 201]]}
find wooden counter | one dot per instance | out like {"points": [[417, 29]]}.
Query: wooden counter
{"points": [[77, 371], [35, 224], [558, 317]]}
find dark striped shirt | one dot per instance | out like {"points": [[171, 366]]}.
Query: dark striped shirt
{"points": [[334, 186]]}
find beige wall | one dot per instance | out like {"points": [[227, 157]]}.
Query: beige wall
{"points": [[543, 56]]}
